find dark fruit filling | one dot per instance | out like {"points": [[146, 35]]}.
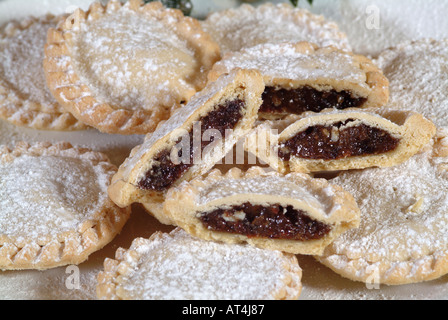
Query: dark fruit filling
{"points": [[332, 142], [165, 172], [274, 222], [297, 101]]}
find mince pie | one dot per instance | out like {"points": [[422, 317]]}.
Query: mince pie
{"points": [[403, 236], [177, 266], [246, 26], [340, 140], [293, 213], [54, 208], [24, 97], [302, 77], [122, 68], [418, 78]]}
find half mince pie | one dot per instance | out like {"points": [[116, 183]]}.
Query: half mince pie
{"points": [[292, 213], [403, 235], [192, 141], [24, 97], [177, 266], [54, 207], [122, 68], [301, 77], [246, 26], [340, 140]]}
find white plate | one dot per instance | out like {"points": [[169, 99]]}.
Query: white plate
{"points": [[399, 20]]}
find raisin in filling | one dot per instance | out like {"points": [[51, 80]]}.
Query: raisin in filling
{"points": [[332, 142], [274, 222], [166, 172], [297, 101]]}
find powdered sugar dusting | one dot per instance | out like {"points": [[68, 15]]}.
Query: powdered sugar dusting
{"points": [[418, 76], [133, 61], [403, 211], [284, 61], [266, 185], [375, 25], [178, 266], [48, 195], [246, 26], [21, 58]]}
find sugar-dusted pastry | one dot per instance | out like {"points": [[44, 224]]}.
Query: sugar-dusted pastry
{"points": [[246, 26], [418, 78], [301, 77], [293, 213], [403, 236], [176, 266], [192, 141], [54, 208], [24, 97], [340, 140], [122, 68]]}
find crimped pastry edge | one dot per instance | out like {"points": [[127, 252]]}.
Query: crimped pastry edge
{"points": [[69, 248], [25, 113], [76, 97], [126, 261]]}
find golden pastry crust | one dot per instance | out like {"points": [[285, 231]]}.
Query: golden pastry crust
{"points": [[412, 129], [24, 98], [146, 271], [155, 208], [246, 26], [402, 238], [297, 65], [89, 73], [244, 85], [68, 220], [322, 202]]}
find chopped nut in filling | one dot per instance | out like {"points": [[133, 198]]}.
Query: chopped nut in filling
{"points": [[165, 172], [273, 221], [337, 142], [297, 101]]}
